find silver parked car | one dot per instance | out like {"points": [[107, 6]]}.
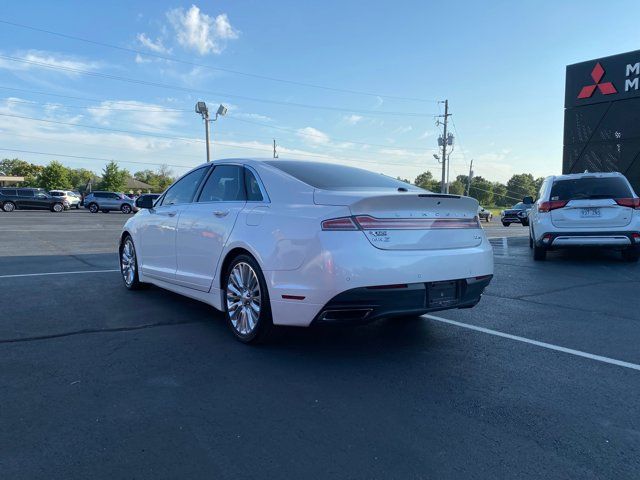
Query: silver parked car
{"points": [[109, 201]]}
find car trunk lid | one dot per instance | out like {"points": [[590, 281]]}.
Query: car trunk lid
{"points": [[413, 220], [591, 213]]}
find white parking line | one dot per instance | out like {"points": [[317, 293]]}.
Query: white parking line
{"points": [[57, 273], [570, 351]]}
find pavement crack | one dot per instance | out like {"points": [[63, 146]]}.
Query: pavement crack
{"points": [[97, 330]]}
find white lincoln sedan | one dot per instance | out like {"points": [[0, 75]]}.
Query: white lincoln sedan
{"points": [[285, 242]]}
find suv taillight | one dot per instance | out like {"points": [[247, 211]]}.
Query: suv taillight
{"points": [[552, 205], [629, 202]]}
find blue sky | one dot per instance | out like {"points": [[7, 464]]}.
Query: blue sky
{"points": [[500, 64]]}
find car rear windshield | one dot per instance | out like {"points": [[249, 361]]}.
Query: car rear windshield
{"points": [[590, 188], [328, 176]]}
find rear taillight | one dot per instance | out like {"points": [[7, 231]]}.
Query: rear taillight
{"points": [[629, 202], [342, 223], [553, 205]]}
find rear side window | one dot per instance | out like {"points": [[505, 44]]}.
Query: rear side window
{"points": [[25, 193], [328, 176], [225, 184], [8, 192], [251, 185], [184, 189], [56, 194], [590, 188]]}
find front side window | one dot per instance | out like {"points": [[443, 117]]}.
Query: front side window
{"points": [[225, 184], [26, 193], [184, 189]]}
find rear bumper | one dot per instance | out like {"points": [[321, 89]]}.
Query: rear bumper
{"points": [[365, 304], [338, 264], [589, 239]]}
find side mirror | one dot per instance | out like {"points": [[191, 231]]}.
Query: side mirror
{"points": [[145, 201], [528, 200]]}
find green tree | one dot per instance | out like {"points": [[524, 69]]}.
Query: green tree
{"points": [[405, 180], [481, 190], [457, 188], [21, 168], [425, 180], [114, 178], [160, 179], [521, 185], [54, 176], [79, 177], [500, 195]]}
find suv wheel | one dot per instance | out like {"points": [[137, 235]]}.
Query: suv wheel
{"points": [[631, 254], [9, 206], [505, 224], [125, 208], [93, 207], [57, 207], [246, 301], [539, 253]]}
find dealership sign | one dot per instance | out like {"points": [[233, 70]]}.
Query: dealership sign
{"points": [[603, 80]]}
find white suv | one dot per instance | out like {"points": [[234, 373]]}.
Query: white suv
{"points": [[71, 197], [585, 209]]}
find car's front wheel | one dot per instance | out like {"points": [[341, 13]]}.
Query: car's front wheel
{"points": [[505, 224], [125, 208], [57, 207], [129, 264], [9, 206], [246, 306], [93, 208]]}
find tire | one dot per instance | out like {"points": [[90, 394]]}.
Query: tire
{"points": [[93, 208], [530, 239], [539, 253], [525, 223], [57, 208], [631, 254], [126, 208], [487, 218], [9, 206], [77, 206], [505, 224], [245, 288], [104, 211], [129, 264]]}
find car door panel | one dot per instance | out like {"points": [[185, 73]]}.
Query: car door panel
{"points": [[205, 226], [158, 242]]}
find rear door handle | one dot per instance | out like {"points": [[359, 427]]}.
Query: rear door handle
{"points": [[221, 213]]}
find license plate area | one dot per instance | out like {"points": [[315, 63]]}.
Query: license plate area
{"points": [[442, 294], [590, 212]]}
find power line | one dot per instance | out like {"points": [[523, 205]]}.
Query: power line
{"points": [[194, 140], [219, 69], [293, 130], [206, 92]]}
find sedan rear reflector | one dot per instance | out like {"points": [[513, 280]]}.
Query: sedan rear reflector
{"points": [[367, 222]]}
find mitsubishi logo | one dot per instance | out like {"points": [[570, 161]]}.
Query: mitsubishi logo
{"points": [[606, 88]]}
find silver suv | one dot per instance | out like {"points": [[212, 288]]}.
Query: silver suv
{"points": [[109, 201]]}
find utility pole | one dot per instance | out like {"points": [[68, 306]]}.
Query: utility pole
{"points": [[275, 153], [445, 139], [205, 116], [469, 178]]}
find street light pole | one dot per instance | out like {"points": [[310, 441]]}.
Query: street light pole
{"points": [[206, 130], [202, 109]]}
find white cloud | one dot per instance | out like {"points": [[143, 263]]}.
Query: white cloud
{"points": [[156, 46], [35, 59], [253, 116], [426, 134], [146, 117], [141, 59], [313, 136], [352, 119], [200, 32], [402, 130]]}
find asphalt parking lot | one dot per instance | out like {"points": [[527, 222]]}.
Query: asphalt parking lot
{"points": [[540, 380]]}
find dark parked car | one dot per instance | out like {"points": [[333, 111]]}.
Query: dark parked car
{"points": [[519, 213], [109, 201], [30, 199]]}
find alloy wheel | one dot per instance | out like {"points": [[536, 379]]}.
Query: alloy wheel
{"points": [[58, 208], [243, 298], [128, 262], [9, 207]]}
